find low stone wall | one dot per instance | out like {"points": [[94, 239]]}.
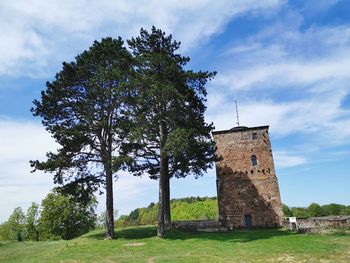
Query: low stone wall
{"points": [[320, 224], [200, 226]]}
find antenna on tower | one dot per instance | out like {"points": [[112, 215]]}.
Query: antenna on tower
{"points": [[237, 113]]}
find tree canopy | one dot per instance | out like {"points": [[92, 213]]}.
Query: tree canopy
{"points": [[83, 110], [169, 136]]}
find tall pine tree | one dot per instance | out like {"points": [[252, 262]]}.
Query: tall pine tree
{"points": [[83, 110], [170, 137]]}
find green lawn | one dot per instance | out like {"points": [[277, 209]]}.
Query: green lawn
{"points": [[141, 245]]}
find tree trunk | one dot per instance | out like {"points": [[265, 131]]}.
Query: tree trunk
{"points": [[162, 180], [109, 202], [167, 213], [160, 231]]}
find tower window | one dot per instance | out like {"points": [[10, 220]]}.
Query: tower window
{"points": [[254, 160], [255, 136]]}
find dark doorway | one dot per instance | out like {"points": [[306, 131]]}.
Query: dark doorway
{"points": [[248, 221]]}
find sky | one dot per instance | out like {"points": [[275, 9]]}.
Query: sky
{"points": [[286, 62]]}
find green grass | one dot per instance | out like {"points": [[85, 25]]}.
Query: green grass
{"points": [[141, 245]]}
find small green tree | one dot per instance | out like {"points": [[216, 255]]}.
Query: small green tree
{"points": [[63, 217], [345, 210], [16, 224], [32, 222], [5, 231], [315, 210], [300, 212], [286, 211]]}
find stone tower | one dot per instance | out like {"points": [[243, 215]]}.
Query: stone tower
{"points": [[248, 193]]}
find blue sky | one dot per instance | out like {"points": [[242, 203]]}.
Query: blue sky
{"points": [[287, 62]]}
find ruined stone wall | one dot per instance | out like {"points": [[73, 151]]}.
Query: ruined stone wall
{"points": [[320, 224], [200, 226], [248, 193]]}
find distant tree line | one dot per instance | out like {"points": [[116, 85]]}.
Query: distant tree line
{"points": [[189, 208], [206, 208], [316, 210], [59, 216], [62, 216]]}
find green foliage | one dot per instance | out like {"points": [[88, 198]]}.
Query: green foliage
{"points": [[82, 109], [63, 217], [21, 227], [345, 210], [315, 210], [300, 212], [333, 209], [286, 211], [134, 215], [16, 225], [189, 208], [168, 112], [32, 222], [169, 136], [205, 208]]}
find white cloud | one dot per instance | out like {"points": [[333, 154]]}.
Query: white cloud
{"points": [[20, 142], [23, 140], [286, 159], [319, 115], [287, 73], [291, 58], [37, 33], [314, 7]]}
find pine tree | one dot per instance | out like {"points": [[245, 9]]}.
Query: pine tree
{"points": [[83, 110], [170, 137]]}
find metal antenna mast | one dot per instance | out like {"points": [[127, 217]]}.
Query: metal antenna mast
{"points": [[237, 113]]}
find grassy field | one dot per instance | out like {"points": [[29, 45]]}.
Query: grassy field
{"points": [[141, 245]]}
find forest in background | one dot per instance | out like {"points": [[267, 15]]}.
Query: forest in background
{"points": [[206, 208], [62, 217]]}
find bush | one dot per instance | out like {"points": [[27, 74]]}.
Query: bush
{"points": [[286, 211], [315, 210], [63, 217]]}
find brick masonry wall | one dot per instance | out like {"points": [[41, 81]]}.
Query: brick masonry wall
{"points": [[247, 190]]}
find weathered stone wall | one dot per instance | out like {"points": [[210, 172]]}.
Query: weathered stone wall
{"points": [[247, 191], [320, 224], [200, 226]]}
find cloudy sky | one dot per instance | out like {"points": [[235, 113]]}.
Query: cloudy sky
{"points": [[287, 63]]}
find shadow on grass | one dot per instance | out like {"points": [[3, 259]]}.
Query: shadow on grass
{"points": [[174, 234], [231, 236], [128, 233]]}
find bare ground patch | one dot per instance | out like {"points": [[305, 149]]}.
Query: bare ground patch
{"points": [[135, 244]]}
